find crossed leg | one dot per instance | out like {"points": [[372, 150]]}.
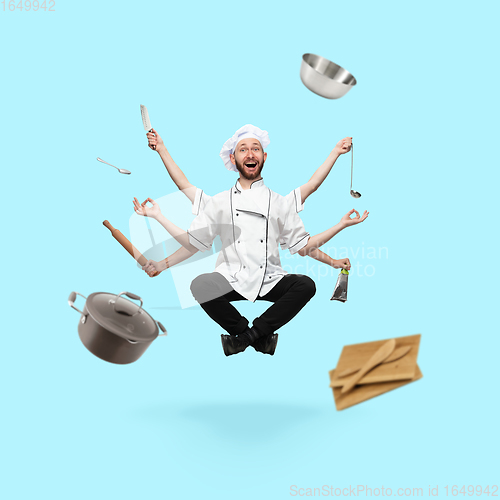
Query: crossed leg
{"points": [[214, 293]]}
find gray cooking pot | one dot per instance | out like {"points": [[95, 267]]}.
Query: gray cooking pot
{"points": [[117, 331]]}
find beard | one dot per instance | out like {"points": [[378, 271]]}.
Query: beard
{"points": [[249, 175]]}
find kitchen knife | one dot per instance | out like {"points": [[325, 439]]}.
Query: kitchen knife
{"points": [[145, 120], [380, 356], [397, 354]]}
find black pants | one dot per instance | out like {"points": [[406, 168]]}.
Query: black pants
{"points": [[215, 294]]}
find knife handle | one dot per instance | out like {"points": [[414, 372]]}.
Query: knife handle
{"points": [[154, 147]]}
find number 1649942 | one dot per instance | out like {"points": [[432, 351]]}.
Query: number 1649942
{"points": [[27, 5]]}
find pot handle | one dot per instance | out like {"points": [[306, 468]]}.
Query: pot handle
{"points": [[131, 296], [71, 301], [162, 328]]}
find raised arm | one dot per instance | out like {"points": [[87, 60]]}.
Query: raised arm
{"points": [[176, 174], [342, 147]]}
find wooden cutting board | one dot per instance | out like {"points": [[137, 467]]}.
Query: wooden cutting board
{"points": [[363, 392], [355, 356]]}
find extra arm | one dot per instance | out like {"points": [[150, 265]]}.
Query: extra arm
{"points": [[320, 256], [312, 248], [176, 232], [342, 147], [153, 268], [176, 174], [320, 239], [155, 213], [177, 257], [314, 242]]}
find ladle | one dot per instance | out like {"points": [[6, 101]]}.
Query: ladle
{"points": [[121, 170], [354, 194]]}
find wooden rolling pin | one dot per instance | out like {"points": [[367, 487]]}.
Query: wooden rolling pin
{"points": [[125, 243]]}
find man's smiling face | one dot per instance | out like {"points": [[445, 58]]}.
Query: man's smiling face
{"points": [[249, 158]]}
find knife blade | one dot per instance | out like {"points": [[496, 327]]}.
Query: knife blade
{"points": [[145, 120], [397, 354], [381, 355]]}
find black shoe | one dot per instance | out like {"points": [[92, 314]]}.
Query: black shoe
{"points": [[266, 344], [233, 344]]}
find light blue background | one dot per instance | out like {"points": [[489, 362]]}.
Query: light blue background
{"points": [[184, 422]]}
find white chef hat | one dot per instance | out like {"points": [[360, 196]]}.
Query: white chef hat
{"points": [[245, 132]]}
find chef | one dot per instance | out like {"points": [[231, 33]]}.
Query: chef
{"points": [[248, 266], [199, 199], [251, 220]]}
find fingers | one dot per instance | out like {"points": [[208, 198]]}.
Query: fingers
{"points": [[150, 269], [357, 220], [152, 139], [153, 202], [140, 209], [347, 143], [356, 217], [344, 264], [364, 216]]}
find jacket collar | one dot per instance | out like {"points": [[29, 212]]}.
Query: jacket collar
{"points": [[255, 185]]}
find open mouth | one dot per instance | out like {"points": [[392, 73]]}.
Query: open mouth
{"points": [[251, 165]]}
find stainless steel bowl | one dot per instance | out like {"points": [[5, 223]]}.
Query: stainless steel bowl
{"points": [[324, 77]]}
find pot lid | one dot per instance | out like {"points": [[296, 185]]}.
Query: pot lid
{"points": [[121, 316]]}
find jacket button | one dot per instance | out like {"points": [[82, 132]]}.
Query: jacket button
{"points": [[239, 241], [261, 267], [244, 267], [262, 241], [237, 214]]}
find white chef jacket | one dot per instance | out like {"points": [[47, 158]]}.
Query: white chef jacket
{"points": [[201, 199], [250, 224]]}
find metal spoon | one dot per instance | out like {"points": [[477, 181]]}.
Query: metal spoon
{"points": [[354, 194], [121, 170]]}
